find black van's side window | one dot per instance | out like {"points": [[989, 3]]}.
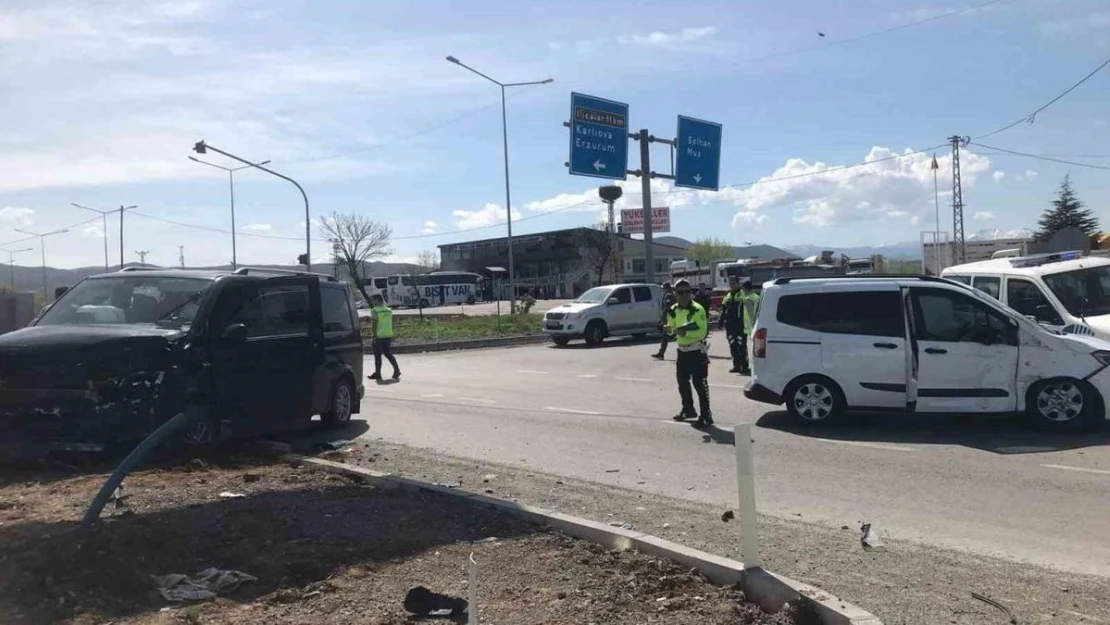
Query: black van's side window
{"points": [[276, 311], [337, 310], [867, 313]]}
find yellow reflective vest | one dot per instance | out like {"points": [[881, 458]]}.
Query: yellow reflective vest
{"points": [[680, 315], [383, 316]]}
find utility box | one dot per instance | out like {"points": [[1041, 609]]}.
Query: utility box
{"points": [[16, 310]]}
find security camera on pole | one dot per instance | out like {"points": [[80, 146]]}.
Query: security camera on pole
{"points": [[599, 149]]}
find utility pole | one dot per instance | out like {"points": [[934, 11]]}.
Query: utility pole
{"points": [[142, 256], [11, 262], [960, 255], [936, 207], [181, 255], [645, 174]]}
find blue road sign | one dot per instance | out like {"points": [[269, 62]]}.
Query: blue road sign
{"points": [[697, 154], [598, 137]]}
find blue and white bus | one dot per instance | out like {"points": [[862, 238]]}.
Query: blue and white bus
{"points": [[439, 288]]}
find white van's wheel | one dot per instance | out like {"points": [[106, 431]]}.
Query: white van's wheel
{"points": [[813, 400], [1063, 404]]}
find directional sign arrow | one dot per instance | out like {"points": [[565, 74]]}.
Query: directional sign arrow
{"points": [[697, 177], [598, 165]]}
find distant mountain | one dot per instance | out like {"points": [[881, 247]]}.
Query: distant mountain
{"points": [[30, 278], [910, 250]]}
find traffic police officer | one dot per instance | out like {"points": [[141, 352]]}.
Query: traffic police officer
{"points": [[668, 301], [382, 329], [732, 320], [688, 322], [749, 301]]}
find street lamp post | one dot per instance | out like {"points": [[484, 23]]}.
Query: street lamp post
{"points": [[202, 148], [231, 183], [104, 216], [505, 147], [42, 245], [11, 262]]}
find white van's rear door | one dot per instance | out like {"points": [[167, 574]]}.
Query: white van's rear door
{"points": [[912, 352]]}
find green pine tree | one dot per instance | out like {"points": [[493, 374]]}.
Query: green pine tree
{"points": [[1066, 212]]}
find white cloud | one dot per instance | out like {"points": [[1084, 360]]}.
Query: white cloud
{"points": [[488, 215], [998, 176], [820, 195], [1028, 175], [260, 227], [749, 221], [16, 217], [983, 215], [93, 232], [430, 227], [1075, 24], [671, 40]]}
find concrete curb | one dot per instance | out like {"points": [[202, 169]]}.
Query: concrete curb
{"points": [[507, 341], [770, 590]]}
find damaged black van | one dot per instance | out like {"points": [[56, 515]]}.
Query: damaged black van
{"points": [[118, 354]]}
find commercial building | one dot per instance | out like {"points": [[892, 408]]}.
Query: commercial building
{"points": [[560, 263]]}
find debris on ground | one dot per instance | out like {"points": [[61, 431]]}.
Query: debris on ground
{"points": [[727, 516], [227, 494], [207, 584], [989, 601], [326, 446], [423, 602], [869, 537], [323, 551]]}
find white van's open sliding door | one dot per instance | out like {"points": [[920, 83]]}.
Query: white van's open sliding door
{"points": [[911, 352]]}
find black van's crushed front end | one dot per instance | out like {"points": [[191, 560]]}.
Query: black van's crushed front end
{"points": [[83, 388]]}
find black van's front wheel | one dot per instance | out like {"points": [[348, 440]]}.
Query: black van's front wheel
{"points": [[342, 404]]}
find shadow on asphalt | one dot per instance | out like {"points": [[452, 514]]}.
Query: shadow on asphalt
{"points": [[996, 434], [316, 439]]}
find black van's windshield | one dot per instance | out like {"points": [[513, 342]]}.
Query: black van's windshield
{"points": [[129, 299], [1084, 292]]}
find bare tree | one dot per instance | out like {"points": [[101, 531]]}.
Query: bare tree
{"points": [[428, 261], [358, 239], [596, 245]]}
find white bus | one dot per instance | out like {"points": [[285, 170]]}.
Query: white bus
{"points": [[439, 288]]}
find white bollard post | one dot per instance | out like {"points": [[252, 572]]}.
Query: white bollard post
{"points": [[745, 483], [472, 588]]}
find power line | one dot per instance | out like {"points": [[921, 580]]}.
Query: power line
{"points": [[70, 227], [1032, 117], [1045, 158]]}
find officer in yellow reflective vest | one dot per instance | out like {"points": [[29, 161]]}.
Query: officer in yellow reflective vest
{"points": [[749, 301], [688, 322], [382, 328]]}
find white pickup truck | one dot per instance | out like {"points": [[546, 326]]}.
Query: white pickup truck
{"points": [[604, 311]]}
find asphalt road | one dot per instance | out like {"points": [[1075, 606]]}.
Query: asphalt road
{"points": [[987, 485]]}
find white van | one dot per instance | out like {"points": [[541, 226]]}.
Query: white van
{"points": [[1065, 291], [615, 310], [918, 344]]}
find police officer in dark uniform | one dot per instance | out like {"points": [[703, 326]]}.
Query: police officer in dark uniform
{"points": [[732, 320], [688, 321], [668, 301]]}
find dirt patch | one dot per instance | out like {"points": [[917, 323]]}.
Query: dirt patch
{"points": [[324, 549]]}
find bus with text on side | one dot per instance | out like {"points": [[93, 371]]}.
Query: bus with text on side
{"points": [[439, 288]]}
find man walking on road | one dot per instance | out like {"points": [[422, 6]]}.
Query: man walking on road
{"points": [[732, 320], [668, 301], [689, 323], [382, 329]]}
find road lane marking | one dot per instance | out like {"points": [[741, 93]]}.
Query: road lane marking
{"points": [[1065, 467], [624, 379], [379, 387], [587, 375], [432, 395], [725, 386], [479, 400], [1086, 616], [530, 372], [570, 410], [882, 446]]}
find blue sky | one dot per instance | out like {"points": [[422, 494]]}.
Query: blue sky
{"points": [[103, 101]]}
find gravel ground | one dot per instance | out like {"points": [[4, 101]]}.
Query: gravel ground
{"points": [[324, 549], [903, 583]]}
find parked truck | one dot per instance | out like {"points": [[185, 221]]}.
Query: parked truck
{"points": [[865, 266]]}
